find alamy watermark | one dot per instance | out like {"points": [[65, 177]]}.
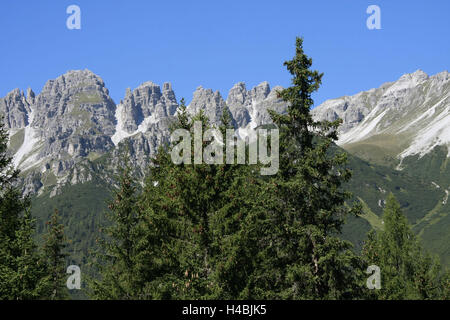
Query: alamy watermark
{"points": [[74, 280], [374, 281], [374, 20], [74, 20], [213, 153]]}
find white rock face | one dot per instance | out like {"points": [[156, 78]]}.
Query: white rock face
{"points": [[120, 132], [26, 155], [249, 109], [414, 109]]}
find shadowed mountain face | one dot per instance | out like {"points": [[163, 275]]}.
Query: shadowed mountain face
{"points": [[71, 135]]}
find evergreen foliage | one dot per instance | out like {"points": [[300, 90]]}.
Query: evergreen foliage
{"points": [[296, 215], [407, 271], [55, 259], [223, 231], [22, 270], [115, 259]]}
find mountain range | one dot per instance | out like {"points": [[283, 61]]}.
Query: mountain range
{"points": [[66, 141]]}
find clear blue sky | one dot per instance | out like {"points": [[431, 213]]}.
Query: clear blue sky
{"points": [[218, 43]]}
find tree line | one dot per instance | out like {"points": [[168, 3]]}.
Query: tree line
{"points": [[199, 231]]}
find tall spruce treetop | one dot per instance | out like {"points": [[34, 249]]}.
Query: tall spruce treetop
{"points": [[298, 128], [305, 202], [298, 96]]}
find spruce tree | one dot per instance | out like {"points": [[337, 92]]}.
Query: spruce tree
{"points": [[407, 271], [180, 204], [223, 231], [115, 259], [291, 220], [22, 270], [55, 244]]}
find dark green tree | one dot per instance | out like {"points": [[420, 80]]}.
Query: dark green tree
{"points": [[223, 231], [180, 202], [115, 259], [22, 270], [407, 271], [55, 244], [291, 220]]}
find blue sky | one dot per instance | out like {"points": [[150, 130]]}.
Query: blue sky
{"points": [[218, 43]]}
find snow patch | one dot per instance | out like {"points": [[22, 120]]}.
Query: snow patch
{"points": [[436, 185], [121, 133], [427, 114], [434, 134], [363, 130], [146, 123], [253, 124], [249, 130], [28, 146]]}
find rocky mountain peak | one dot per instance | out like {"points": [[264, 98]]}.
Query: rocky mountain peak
{"points": [[75, 92], [238, 95], [419, 75], [260, 92], [412, 79], [210, 102], [167, 87], [14, 107], [73, 80], [71, 119], [443, 76], [30, 96], [249, 108], [168, 93], [147, 103]]}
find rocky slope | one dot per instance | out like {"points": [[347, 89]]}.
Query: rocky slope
{"points": [[408, 117]]}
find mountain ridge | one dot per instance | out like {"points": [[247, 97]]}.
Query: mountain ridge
{"points": [[74, 118], [70, 136], [414, 109]]}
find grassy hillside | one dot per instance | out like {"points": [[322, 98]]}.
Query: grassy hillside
{"points": [[420, 187], [423, 203], [433, 166]]}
